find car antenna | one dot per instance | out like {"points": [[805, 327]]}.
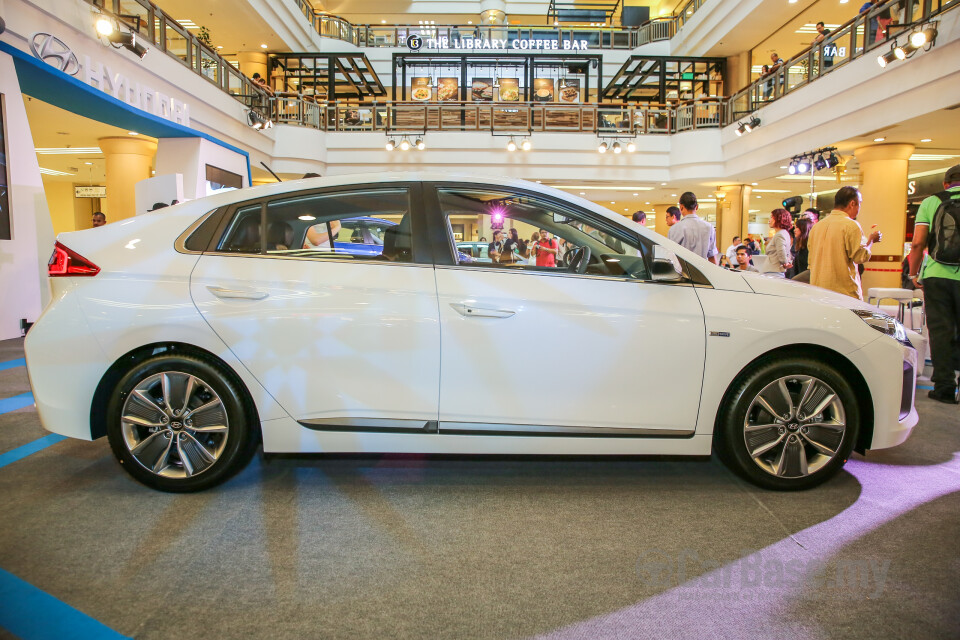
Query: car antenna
{"points": [[271, 171]]}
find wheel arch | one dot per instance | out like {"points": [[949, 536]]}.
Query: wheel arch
{"points": [[823, 354], [101, 397]]}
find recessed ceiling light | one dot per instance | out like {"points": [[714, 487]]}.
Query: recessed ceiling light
{"points": [[758, 197], [263, 46], [753, 183], [219, 46], [582, 193], [879, 139], [132, 133], [646, 203], [926, 140], [636, 194], [673, 195], [663, 184], [469, 21], [612, 202], [383, 22], [87, 163], [783, 166]]}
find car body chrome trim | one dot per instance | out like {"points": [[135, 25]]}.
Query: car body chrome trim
{"points": [[180, 245], [492, 428], [370, 424]]}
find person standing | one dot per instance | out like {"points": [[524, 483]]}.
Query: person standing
{"points": [[673, 216], [495, 248], [99, 219], [692, 232], [546, 250], [640, 218], [837, 246], [779, 256], [939, 276], [827, 52], [801, 236]]}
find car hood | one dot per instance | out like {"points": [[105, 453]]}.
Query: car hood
{"points": [[784, 288]]}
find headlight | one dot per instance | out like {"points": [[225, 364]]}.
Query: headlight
{"points": [[884, 324]]}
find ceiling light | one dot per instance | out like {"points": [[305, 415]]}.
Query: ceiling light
{"points": [[920, 38], [803, 166], [404, 145], [635, 195], [391, 145], [419, 144], [879, 139], [752, 124], [820, 163], [526, 145], [54, 172], [132, 133], [469, 21], [832, 160], [884, 59], [631, 147], [511, 146], [753, 184], [104, 26], [612, 202], [792, 169], [673, 195], [306, 217], [219, 46], [87, 163], [741, 129], [602, 148], [66, 151], [383, 22], [663, 184], [582, 193], [926, 140], [263, 46], [616, 147]]}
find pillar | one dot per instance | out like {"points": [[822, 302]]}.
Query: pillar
{"points": [[883, 184], [128, 161]]}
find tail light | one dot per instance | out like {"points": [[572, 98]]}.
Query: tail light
{"points": [[67, 262]]}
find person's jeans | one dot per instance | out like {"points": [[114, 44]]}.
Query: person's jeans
{"points": [[942, 299]]}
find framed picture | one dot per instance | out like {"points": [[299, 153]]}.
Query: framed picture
{"points": [[509, 90], [448, 89], [570, 90], [543, 90], [421, 89], [482, 89]]}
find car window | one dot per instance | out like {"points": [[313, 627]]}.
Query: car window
{"points": [[371, 224], [519, 231]]}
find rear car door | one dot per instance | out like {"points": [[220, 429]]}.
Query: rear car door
{"points": [[340, 335]]}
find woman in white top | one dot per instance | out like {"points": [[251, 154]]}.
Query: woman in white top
{"points": [[779, 258]]}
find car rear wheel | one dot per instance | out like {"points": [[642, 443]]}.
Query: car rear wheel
{"points": [[789, 424], [178, 423]]}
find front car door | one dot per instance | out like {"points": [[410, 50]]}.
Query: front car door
{"points": [[341, 335], [562, 343]]}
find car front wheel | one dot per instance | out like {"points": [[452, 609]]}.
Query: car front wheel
{"points": [[178, 423], [789, 424]]}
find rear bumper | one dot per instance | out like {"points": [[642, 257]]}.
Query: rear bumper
{"points": [[890, 369]]}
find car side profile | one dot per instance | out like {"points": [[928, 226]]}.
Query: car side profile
{"points": [[189, 335]]}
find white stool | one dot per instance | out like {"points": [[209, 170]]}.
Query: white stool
{"points": [[903, 298]]}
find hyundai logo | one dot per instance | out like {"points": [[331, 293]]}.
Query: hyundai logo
{"points": [[414, 42], [54, 52]]}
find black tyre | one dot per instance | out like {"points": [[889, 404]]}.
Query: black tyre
{"points": [[788, 424], [179, 423]]}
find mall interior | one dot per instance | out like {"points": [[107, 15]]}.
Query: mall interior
{"points": [[116, 106]]}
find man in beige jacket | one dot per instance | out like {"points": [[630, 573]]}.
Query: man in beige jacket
{"points": [[837, 246]]}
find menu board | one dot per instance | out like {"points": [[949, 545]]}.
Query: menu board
{"points": [[570, 90], [421, 89], [448, 89], [482, 89], [543, 89], [509, 89]]}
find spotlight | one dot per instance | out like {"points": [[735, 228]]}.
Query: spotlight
{"points": [[832, 160], [752, 124], [741, 129], [920, 38], [404, 145], [511, 146], [886, 58], [602, 148], [820, 163], [128, 41], [792, 169], [104, 26], [901, 52], [391, 145], [257, 121], [616, 147], [631, 147], [419, 144], [803, 166], [526, 145]]}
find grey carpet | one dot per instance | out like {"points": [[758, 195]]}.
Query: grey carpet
{"points": [[418, 547]]}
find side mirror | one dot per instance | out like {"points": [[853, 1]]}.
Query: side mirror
{"points": [[666, 265]]}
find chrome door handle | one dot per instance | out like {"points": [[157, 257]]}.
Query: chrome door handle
{"points": [[470, 311], [244, 294]]}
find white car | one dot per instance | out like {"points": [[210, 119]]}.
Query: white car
{"points": [[188, 334]]}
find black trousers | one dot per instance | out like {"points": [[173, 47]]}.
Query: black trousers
{"points": [[942, 299]]}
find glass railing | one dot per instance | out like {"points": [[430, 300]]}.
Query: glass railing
{"points": [[861, 35], [397, 118], [163, 33]]}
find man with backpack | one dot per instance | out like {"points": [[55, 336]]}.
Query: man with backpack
{"points": [[938, 230]]}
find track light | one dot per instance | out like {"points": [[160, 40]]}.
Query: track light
{"points": [[126, 40], [820, 163], [886, 58], [631, 147], [391, 145], [404, 145], [257, 121], [104, 26], [803, 166], [602, 148], [752, 124], [526, 145], [832, 160], [511, 146], [616, 147], [419, 144], [927, 35]]}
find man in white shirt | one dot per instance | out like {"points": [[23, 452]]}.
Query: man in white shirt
{"points": [[693, 232], [732, 251]]}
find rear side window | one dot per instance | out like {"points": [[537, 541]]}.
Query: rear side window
{"points": [[243, 235]]}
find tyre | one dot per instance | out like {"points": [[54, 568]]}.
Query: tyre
{"points": [[179, 423], [789, 423]]}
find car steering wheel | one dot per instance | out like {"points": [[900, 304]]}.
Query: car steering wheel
{"points": [[580, 260]]}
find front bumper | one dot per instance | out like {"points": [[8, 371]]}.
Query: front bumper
{"points": [[890, 369]]}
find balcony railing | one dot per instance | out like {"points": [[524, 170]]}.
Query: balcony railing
{"points": [[397, 118]]}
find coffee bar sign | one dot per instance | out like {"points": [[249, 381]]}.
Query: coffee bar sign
{"points": [[415, 43], [95, 73]]}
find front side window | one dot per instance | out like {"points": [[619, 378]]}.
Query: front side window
{"points": [[370, 224], [519, 231]]}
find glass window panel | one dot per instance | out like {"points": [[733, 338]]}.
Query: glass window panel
{"points": [[209, 66], [177, 41], [137, 15]]}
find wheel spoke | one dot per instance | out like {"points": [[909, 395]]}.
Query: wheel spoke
{"points": [[793, 456], [204, 452], [786, 395], [822, 448], [766, 406], [165, 386], [148, 400], [187, 393], [161, 461], [209, 405], [823, 404], [762, 449], [184, 458], [757, 427], [145, 444], [839, 426], [141, 422], [807, 392], [215, 428]]}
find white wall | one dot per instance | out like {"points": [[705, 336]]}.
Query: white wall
{"points": [[190, 157], [23, 260]]}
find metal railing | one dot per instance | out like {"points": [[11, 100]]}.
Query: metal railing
{"points": [[396, 118], [853, 39], [163, 33]]}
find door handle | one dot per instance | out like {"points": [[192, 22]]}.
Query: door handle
{"points": [[244, 294], [470, 311]]}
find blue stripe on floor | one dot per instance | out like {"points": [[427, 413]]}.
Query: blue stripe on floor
{"points": [[33, 614], [16, 402], [925, 387], [13, 364], [30, 448]]}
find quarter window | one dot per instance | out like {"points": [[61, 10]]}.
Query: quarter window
{"points": [[529, 233]]}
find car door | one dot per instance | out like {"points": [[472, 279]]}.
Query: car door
{"points": [[596, 348], [340, 338]]}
